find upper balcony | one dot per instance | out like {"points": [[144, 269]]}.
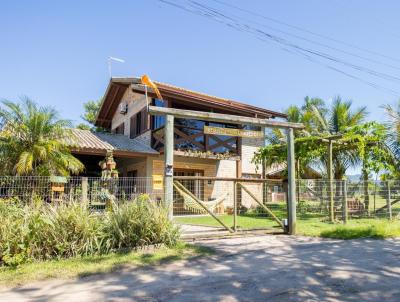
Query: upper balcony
{"points": [[190, 140]]}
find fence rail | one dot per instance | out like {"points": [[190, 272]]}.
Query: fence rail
{"points": [[338, 200], [343, 200], [94, 190]]}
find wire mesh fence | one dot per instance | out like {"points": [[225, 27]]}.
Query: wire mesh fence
{"points": [[342, 200], [96, 191], [237, 203], [233, 204]]}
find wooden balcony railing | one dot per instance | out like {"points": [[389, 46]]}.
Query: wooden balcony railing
{"points": [[194, 139]]}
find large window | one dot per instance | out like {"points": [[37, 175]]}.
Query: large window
{"points": [[157, 121]]}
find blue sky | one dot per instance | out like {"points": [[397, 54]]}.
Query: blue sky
{"points": [[56, 52]]}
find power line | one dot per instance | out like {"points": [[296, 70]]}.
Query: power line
{"points": [[209, 12], [316, 42], [306, 31], [212, 12]]}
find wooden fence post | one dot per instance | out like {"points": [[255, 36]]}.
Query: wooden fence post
{"points": [[344, 204], [169, 164], [330, 184], [85, 186], [389, 204], [291, 182], [235, 206]]}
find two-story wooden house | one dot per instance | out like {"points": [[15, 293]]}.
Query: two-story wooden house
{"points": [[136, 138]]}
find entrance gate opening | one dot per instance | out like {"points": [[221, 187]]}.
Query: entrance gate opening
{"points": [[232, 204], [193, 202]]}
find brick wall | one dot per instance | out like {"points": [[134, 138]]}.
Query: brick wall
{"points": [[135, 102], [249, 147]]}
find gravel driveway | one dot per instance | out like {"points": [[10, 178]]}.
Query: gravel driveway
{"points": [[260, 268]]}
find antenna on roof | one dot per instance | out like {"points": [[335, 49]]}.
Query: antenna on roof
{"points": [[109, 63]]}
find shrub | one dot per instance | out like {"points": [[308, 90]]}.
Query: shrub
{"points": [[139, 223], [45, 231]]}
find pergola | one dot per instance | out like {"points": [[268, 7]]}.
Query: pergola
{"points": [[172, 113]]}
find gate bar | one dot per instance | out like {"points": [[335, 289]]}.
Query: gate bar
{"points": [[262, 205], [177, 184], [259, 180]]}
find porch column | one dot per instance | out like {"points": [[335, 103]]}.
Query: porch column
{"points": [[291, 182], [169, 163]]}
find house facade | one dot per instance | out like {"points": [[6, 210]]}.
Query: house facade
{"points": [[137, 138]]}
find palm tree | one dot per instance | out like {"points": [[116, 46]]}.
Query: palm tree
{"points": [[393, 125], [339, 119], [33, 141], [319, 122]]}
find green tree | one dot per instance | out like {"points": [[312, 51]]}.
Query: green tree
{"points": [[393, 126], [33, 141], [319, 123], [91, 109], [339, 119], [369, 140]]}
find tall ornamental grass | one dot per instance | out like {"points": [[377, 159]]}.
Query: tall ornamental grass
{"points": [[29, 233]]}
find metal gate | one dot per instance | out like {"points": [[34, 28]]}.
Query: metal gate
{"points": [[232, 204]]}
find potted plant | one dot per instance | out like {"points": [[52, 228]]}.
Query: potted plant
{"points": [[103, 165], [111, 164]]}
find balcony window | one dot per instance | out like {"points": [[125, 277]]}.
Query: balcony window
{"points": [[157, 121]]}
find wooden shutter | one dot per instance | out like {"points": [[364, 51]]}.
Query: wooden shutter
{"points": [[145, 119], [132, 132]]}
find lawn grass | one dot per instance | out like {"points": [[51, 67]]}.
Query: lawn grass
{"points": [[85, 266], [243, 222], [356, 228], [310, 225]]}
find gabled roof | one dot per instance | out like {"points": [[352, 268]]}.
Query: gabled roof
{"points": [[85, 141], [118, 86]]}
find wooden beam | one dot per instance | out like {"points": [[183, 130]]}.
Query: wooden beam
{"points": [[169, 164], [180, 186], [222, 118], [261, 204], [330, 182], [239, 179], [291, 182]]}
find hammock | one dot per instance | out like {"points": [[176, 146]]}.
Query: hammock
{"points": [[189, 203]]}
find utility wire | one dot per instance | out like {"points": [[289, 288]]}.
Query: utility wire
{"points": [[315, 42], [212, 12], [306, 30], [202, 10]]}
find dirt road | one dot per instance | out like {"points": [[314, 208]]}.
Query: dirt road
{"points": [[261, 268]]}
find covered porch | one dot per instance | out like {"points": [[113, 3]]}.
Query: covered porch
{"points": [[130, 155]]}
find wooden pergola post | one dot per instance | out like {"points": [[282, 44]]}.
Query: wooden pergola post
{"points": [[169, 164], [330, 181], [291, 182]]}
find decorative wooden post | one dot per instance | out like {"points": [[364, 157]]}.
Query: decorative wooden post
{"points": [[169, 164], [330, 182], [291, 182], [344, 204]]}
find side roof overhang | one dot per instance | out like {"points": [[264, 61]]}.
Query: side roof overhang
{"points": [[118, 86], [97, 143]]}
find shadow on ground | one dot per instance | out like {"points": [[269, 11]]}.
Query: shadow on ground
{"points": [[261, 268]]}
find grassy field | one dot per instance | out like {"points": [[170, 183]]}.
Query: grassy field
{"points": [[244, 222], [356, 228], [81, 267], [310, 225]]}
